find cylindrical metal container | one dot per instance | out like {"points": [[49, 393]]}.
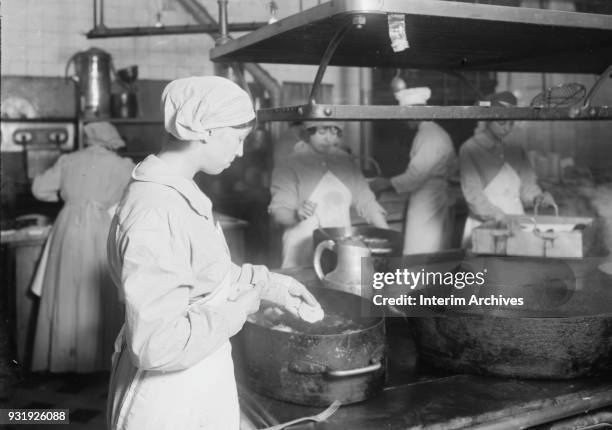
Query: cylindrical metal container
{"points": [[316, 369], [385, 243], [93, 69]]}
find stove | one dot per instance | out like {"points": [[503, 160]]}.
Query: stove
{"points": [[36, 144]]}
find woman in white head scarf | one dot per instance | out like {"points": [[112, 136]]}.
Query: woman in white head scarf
{"points": [[79, 315], [184, 297], [316, 186]]}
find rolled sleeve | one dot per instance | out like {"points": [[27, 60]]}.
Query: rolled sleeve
{"points": [[46, 186], [165, 332], [426, 159]]}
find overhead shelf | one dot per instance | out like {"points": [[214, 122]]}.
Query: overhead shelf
{"points": [[394, 112], [443, 35], [440, 35]]}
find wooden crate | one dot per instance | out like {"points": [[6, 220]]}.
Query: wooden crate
{"points": [[536, 236]]}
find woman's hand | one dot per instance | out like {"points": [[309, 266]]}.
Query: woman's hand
{"points": [[289, 294], [380, 184], [306, 210]]}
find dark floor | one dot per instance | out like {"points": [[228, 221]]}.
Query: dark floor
{"points": [[83, 394]]}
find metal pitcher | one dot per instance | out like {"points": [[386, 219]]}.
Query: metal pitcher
{"points": [[92, 74], [354, 266]]}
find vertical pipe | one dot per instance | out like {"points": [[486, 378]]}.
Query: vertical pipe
{"points": [[365, 98], [101, 13], [95, 14], [222, 21]]}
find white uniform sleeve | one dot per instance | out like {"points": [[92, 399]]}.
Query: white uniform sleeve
{"points": [[163, 331], [424, 160], [364, 199], [46, 186]]}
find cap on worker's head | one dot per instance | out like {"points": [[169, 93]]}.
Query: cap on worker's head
{"points": [[413, 96], [191, 106], [312, 124], [103, 134], [504, 99]]}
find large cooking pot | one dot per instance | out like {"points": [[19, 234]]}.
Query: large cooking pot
{"points": [[316, 364], [563, 330], [392, 246]]}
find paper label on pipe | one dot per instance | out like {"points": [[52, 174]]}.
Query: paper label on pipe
{"points": [[397, 32]]}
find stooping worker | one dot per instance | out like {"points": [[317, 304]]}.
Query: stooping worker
{"points": [[432, 162], [79, 314], [184, 297], [316, 186], [497, 179]]}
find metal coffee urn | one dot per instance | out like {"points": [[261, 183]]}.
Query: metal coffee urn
{"points": [[92, 74]]}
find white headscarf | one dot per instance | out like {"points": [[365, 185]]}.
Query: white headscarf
{"points": [[413, 96], [103, 134], [194, 105]]}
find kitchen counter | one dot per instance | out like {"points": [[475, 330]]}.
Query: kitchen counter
{"points": [[417, 396]]}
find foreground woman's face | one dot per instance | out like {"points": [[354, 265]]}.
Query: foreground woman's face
{"points": [[221, 148]]}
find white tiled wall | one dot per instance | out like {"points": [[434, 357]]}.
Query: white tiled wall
{"points": [[39, 36]]}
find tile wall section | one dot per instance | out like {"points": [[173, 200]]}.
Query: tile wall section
{"points": [[38, 37]]}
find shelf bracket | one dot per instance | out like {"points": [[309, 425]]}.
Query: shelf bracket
{"points": [[603, 78], [358, 21]]}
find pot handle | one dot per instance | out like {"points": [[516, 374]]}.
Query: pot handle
{"points": [[74, 77], [327, 244], [352, 372]]}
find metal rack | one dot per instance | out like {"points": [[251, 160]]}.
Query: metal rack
{"points": [[442, 35]]}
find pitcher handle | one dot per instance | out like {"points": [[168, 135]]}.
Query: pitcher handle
{"points": [[73, 78], [327, 244]]}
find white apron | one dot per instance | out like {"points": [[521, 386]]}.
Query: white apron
{"points": [[504, 191], [203, 396], [427, 223], [333, 200], [39, 276]]}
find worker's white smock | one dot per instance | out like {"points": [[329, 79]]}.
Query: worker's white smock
{"points": [[79, 315], [432, 162], [332, 181], [496, 179], [173, 367]]}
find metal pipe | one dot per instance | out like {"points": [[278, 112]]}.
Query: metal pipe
{"points": [[201, 15], [95, 14], [101, 13], [105, 32], [365, 98], [223, 37], [329, 52]]}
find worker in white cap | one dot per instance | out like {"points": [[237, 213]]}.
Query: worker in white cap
{"points": [[316, 186], [184, 297], [432, 162], [497, 178], [79, 314]]}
